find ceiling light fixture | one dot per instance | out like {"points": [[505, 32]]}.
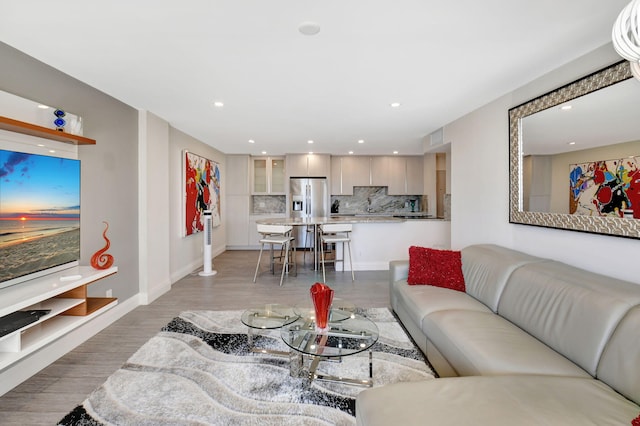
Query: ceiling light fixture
{"points": [[626, 36], [571, 143], [395, 104], [310, 152], [43, 106], [566, 107], [218, 104], [252, 141], [309, 141], [395, 152], [264, 152], [361, 141], [350, 152], [309, 28]]}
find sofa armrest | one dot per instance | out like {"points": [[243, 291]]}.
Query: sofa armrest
{"points": [[398, 270]]}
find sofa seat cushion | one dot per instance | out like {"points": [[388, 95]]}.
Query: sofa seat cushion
{"points": [[421, 300], [495, 401], [483, 344]]}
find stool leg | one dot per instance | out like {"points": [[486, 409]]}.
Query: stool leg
{"points": [[324, 279], [258, 265], [285, 262], [353, 277]]}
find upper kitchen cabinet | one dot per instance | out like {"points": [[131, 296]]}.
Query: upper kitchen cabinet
{"points": [[349, 171], [401, 175], [415, 175], [237, 174], [313, 165], [268, 175], [405, 175]]}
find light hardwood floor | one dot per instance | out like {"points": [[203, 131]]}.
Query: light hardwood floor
{"points": [[48, 396]]}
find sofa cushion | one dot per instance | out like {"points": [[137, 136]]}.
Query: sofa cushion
{"points": [[620, 360], [572, 310], [440, 268], [495, 401], [486, 269], [421, 300], [483, 344]]}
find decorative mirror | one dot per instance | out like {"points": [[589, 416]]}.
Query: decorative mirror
{"points": [[574, 156]]}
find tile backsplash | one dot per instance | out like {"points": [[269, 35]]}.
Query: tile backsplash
{"points": [[374, 199], [265, 204]]}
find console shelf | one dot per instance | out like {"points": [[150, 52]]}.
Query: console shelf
{"points": [[43, 132], [69, 304]]}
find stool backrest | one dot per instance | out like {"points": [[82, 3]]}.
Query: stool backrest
{"points": [[274, 229], [330, 228]]}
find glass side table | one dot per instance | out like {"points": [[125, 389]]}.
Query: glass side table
{"points": [[267, 317]]}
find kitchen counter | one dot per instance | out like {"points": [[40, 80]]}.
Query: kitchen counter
{"points": [[377, 239]]}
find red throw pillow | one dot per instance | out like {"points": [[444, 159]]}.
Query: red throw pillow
{"points": [[636, 421], [440, 268]]}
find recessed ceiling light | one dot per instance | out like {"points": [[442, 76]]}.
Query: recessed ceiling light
{"points": [[52, 151], [350, 152], [395, 152], [571, 143], [218, 104], [395, 104], [252, 141], [264, 152], [566, 107], [310, 152], [41, 145], [309, 28], [43, 106], [309, 141], [361, 141]]}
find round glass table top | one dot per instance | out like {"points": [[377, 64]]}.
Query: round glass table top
{"points": [[269, 316], [340, 309], [341, 338]]}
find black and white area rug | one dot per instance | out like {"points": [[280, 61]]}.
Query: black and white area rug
{"points": [[199, 370]]}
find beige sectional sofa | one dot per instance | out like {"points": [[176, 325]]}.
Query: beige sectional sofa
{"points": [[532, 341]]}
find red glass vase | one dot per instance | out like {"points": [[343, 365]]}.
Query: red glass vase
{"points": [[322, 297]]}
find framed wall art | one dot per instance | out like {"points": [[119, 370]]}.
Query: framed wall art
{"points": [[201, 192]]}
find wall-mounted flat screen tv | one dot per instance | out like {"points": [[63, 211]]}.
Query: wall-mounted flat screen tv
{"points": [[39, 215]]}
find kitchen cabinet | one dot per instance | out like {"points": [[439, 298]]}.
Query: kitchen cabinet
{"points": [[237, 174], [268, 175], [402, 175], [237, 219], [312, 165], [380, 171], [415, 175], [349, 171], [406, 175]]}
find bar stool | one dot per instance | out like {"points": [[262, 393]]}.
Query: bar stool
{"points": [[277, 235], [332, 233]]}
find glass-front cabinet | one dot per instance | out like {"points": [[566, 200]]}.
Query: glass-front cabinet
{"points": [[268, 175]]}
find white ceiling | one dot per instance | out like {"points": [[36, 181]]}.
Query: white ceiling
{"points": [[439, 59]]}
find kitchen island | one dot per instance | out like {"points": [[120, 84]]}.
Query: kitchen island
{"points": [[377, 239]]}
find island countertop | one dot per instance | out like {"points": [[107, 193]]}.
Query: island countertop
{"points": [[347, 218]]}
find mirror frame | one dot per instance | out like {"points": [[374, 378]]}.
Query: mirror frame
{"points": [[615, 226]]}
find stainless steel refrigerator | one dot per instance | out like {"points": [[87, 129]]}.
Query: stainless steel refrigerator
{"points": [[308, 197]]}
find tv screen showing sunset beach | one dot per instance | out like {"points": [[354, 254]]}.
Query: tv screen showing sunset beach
{"points": [[39, 213]]}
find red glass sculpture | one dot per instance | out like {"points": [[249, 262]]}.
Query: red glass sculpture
{"points": [[101, 260], [322, 297]]}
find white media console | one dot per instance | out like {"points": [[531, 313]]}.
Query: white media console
{"points": [[65, 294]]}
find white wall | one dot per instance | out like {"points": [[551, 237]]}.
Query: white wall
{"points": [[480, 187], [153, 216], [186, 252]]}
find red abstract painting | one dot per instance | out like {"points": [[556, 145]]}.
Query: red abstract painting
{"points": [[202, 192]]}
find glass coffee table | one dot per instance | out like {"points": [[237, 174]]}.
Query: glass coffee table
{"points": [[340, 310], [267, 317], [345, 337]]}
